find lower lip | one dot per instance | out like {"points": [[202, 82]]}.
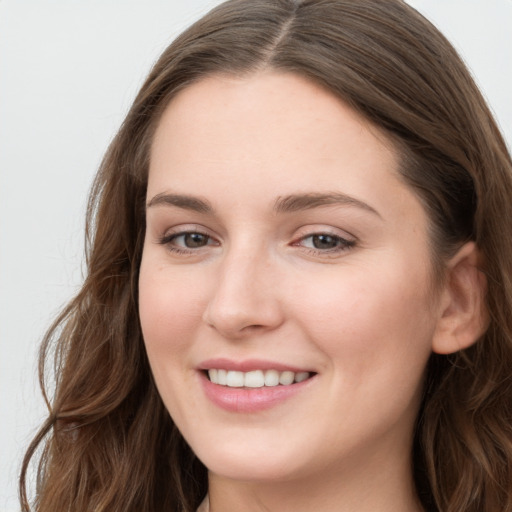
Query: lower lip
{"points": [[250, 399]]}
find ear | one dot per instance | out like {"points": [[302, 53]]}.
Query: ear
{"points": [[463, 315]]}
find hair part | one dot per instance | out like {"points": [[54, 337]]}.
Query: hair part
{"points": [[109, 442]]}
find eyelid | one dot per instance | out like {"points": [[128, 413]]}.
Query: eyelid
{"points": [[345, 240], [322, 229], [181, 230], [187, 228]]}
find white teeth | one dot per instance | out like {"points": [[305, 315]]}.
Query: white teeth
{"points": [[255, 378], [271, 378], [286, 378], [235, 379], [222, 377], [213, 375], [299, 377]]}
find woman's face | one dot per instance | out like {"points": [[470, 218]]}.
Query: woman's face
{"points": [[282, 245]]}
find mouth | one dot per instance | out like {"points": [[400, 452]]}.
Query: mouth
{"points": [[252, 385], [255, 378]]}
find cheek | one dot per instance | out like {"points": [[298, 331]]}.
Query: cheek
{"points": [[169, 307], [370, 319], [375, 331], [170, 313]]}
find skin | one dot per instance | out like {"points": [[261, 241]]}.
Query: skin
{"points": [[361, 314]]}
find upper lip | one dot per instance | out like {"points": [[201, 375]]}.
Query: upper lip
{"points": [[248, 365]]}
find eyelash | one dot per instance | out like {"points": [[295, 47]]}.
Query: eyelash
{"points": [[341, 244], [168, 240]]}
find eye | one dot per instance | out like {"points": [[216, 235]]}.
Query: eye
{"points": [[191, 240], [187, 241], [325, 243]]}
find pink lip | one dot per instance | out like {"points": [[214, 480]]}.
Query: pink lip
{"points": [[249, 400], [248, 365]]}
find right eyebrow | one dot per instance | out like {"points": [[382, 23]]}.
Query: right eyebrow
{"points": [[186, 202]]}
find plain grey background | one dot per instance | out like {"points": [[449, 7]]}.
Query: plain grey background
{"points": [[68, 72]]}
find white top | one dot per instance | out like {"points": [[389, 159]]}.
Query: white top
{"points": [[205, 505]]}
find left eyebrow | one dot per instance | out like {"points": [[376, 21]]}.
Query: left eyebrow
{"points": [[297, 202]]}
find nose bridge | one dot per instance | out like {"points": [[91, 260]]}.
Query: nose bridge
{"points": [[244, 296]]}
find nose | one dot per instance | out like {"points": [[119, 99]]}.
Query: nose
{"points": [[245, 299]]}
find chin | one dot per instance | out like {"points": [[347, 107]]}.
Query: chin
{"points": [[250, 464]]}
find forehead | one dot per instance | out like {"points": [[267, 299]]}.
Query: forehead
{"points": [[268, 135], [267, 119], [281, 100]]}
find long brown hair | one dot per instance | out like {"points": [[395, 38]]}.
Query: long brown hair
{"points": [[108, 443]]}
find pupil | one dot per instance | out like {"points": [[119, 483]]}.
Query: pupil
{"points": [[324, 242], [195, 240]]}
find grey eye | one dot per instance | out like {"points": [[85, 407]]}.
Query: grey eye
{"points": [[194, 240], [325, 241]]}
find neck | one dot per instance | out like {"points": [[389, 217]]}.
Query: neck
{"points": [[382, 486]]}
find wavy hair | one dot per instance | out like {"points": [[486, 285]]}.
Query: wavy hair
{"points": [[108, 444]]}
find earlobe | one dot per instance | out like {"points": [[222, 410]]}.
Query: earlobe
{"points": [[463, 315]]}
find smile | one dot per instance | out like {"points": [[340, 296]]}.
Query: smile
{"points": [[253, 385], [255, 378]]}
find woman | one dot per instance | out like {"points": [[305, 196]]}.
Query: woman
{"points": [[298, 289]]}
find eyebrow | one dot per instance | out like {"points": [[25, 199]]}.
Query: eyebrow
{"points": [[286, 204], [298, 202], [186, 202]]}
